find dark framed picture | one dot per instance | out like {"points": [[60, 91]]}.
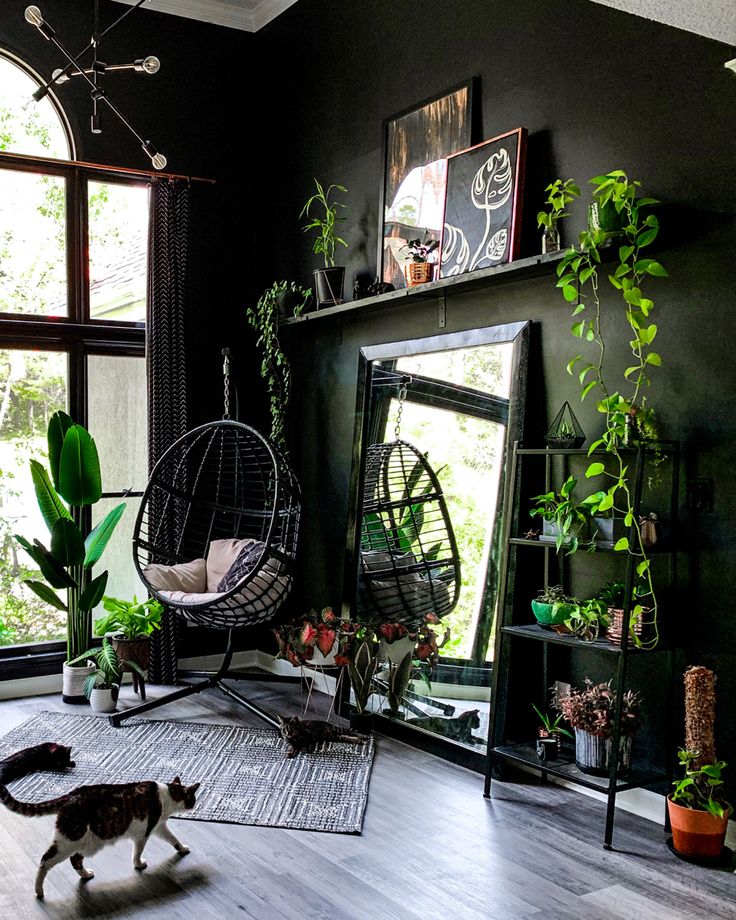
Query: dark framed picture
{"points": [[482, 221], [416, 144]]}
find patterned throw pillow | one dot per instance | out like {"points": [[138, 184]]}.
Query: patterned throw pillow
{"points": [[245, 562]]}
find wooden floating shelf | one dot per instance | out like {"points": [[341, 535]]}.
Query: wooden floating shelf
{"points": [[519, 270]]}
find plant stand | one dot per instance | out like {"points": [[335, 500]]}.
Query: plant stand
{"points": [[510, 652]]}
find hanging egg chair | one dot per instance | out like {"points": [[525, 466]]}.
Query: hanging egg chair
{"points": [[409, 564]]}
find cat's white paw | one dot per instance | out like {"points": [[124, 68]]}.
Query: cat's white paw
{"points": [[140, 865], [182, 849]]}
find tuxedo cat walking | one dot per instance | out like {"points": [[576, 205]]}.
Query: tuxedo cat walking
{"points": [[90, 817]]}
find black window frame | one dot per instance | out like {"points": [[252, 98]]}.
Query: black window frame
{"points": [[76, 334]]}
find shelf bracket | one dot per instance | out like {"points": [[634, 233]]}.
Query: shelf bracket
{"points": [[442, 313]]}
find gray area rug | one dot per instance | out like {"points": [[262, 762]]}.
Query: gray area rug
{"points": [[245, 775]]}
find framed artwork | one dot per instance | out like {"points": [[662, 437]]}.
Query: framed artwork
{"points": [[482, 220], [416, 144]]}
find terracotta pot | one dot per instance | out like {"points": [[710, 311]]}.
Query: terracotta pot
{"points": [[696, 833], [643, 628], [73, 682]]}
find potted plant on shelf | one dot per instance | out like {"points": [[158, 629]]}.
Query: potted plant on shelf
{"points": [[550, 606], [549, 733], [132, 623], [590, 711], [612, 595], [73, 550], [585, 619], [329, 281], [559, 196], [565, 432], [275, 367], [564, 521], [417, 268], [697, 810]]}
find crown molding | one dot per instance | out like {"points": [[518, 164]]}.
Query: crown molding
{"points": [[244, 15]]}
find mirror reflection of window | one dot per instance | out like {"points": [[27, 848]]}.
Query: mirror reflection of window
{"points": [[455, 412]]}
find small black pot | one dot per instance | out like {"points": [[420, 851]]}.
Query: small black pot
{"points": [[329, 284]]}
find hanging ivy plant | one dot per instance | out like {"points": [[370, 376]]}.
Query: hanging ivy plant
{"points": [[275, 369], [627, 418]]}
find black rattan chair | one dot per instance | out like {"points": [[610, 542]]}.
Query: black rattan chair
{"points": [[409, 563], [221, 481]]}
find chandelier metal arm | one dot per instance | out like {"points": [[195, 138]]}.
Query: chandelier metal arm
{"points": [[57, 76], [34, 16]]}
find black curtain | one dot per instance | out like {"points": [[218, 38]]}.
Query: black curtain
{"points": [[168, 257]]}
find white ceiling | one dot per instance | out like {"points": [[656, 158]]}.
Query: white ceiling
{"points": [[247, 15], [713, 18]]}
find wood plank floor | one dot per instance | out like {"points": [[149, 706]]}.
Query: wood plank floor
{"points": [[431, 848]]}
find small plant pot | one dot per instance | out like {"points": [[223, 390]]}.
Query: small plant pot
{"points": [[418, 272], [697, 834], [593, 754], [550, 532], [73, 679], [103, 699], [547, 748], [608, 531], [546, 616], [608, 219], [550, 240], [135, 650], [643, 627], [329, 284]]}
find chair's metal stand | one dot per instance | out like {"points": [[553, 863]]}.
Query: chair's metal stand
{"points": [[209, 680]]}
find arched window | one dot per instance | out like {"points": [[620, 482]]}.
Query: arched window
{"points": [[34, 128], [72, 310]]}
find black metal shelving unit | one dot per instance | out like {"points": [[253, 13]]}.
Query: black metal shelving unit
{"points": [[513, 637]]}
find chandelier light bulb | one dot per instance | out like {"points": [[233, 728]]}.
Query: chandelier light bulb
{"points": [[149, 65], [33, 15], [59, 76], [159, 161]]}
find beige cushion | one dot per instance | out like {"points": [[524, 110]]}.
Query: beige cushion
{"points": [[221, 555], [187, 576]]}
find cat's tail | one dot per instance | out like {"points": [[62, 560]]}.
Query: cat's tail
{"points": [[31, 809]]}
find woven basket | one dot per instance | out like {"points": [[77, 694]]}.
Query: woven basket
{"points": [[418, 272]]}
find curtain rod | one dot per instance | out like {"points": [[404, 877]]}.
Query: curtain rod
{"points": [[100, 167]]}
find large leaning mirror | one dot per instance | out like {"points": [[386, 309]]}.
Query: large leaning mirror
{"points": [[435, 420]]}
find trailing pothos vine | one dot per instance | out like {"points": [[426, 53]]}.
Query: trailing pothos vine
{"points": [[275, 369], [627, 416]]}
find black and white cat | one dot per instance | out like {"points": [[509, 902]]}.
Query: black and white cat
{"points": [[90, 817], [305, 734]]}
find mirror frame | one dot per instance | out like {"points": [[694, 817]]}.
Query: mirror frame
{"points": [[518, 333]]}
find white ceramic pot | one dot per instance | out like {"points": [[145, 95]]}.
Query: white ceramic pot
{"points": [[102, 699], [395, 652], [73, 682]]}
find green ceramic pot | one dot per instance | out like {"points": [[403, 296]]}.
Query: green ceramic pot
{"points": [[545, 615]]}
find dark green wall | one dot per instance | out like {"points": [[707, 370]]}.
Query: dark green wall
{"points": [[597, 89]]}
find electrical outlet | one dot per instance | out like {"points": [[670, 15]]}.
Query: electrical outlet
{"points": [[700, 494], [561, 689]]}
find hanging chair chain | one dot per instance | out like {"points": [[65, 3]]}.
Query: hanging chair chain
{"points": [[405, 381], [226, 382]]}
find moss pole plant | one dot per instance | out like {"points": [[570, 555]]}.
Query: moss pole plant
{"points": [[623, 406]]}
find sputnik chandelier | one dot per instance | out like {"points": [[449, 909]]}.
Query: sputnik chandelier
{"points": [[95, 72]]}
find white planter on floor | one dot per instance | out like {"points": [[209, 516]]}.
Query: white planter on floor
{"points": [[73, 682], [102, 699]]}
